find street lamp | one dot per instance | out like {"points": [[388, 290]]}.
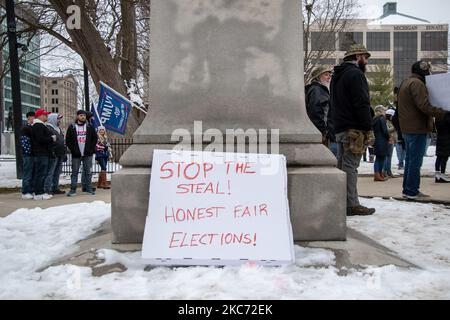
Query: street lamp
{"points": [[15, 81]]}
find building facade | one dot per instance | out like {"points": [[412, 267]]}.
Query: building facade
{"points": [[30, 70], [60, 95], [395, 40]]}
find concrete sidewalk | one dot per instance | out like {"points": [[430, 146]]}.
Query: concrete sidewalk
{"points": [[10, 202], [440, 193]]}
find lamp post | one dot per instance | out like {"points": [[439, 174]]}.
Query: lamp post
{"points": [[15, 83]]}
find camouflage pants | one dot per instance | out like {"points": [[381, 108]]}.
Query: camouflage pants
{"points": [[349, 163]]}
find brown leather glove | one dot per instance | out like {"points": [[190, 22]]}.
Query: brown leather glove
{"points": [[370, 138]]}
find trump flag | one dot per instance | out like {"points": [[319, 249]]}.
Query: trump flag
{"points": [[112, 110]]}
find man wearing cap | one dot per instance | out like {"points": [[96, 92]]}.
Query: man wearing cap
{"points": [[416, 122], [352, 120], [81, 139], [42, 140], [317, 98]]}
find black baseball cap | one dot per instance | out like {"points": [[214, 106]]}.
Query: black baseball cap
{"points": [[81, 112], [30, 114]]}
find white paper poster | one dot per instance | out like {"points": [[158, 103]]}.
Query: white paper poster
{"points": [[439, 90], [218, 209]]}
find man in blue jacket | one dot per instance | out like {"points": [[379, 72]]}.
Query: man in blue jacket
{"points": [[352, 120]]}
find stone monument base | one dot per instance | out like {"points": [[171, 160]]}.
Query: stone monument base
{"points": [[317, 202]]}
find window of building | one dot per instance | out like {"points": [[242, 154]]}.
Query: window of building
{"points": [[380, 61], [53, 101], [323, 41], [405, 54], [56, 101], [54, 82], [378, 41], [346, 39], [435, 41]]}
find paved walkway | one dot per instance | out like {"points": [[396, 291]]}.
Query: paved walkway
{"points": [[9, 202], [440, 193]]}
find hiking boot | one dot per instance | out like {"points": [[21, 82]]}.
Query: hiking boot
{"points": [[84, 189], [72, 193], [360, 211]]}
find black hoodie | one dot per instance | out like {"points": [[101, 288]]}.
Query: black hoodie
{"points": [[350, 100]]}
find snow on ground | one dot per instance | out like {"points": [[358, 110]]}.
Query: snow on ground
{"points": [[31, 239], [427, 167]]}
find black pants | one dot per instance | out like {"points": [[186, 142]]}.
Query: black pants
{"points": [[441, 164]]}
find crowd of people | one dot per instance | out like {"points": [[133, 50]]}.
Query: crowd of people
{"points": [[45, 148], [338, 104]]}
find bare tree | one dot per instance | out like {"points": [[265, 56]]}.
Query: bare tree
{"points": [[107, 40], [322, 21]]}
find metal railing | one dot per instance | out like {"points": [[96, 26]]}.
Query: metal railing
{"points": [[118, 148]]}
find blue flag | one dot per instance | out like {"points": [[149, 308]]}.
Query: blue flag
{"points": [[112, 110]]}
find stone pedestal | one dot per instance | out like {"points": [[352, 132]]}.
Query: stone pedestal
{"points": [[231, 64]]}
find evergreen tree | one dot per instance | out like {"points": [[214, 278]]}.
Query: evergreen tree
{"points": [[381, 86]]}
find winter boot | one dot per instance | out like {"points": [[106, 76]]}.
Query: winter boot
{"points": [[360, 211], [106, 184], [441, 178], [377, 177]]}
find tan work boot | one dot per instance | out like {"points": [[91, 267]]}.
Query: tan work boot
{"points": [[360, 211]]}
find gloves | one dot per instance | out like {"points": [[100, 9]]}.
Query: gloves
{"points": [[370, 138]]}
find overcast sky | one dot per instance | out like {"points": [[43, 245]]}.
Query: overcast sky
{"points": [[436, 11]]}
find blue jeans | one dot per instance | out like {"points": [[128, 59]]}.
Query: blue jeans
{"points": [[86, 175], [388, 163], [415, 150], [103, 163], [380, 162], [401, 154], [334, 148], [27, 178], [54, 171], [40, 169]]}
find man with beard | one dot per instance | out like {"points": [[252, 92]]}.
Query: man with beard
{"points": [[81, 139], [317, 98], [352, 120], [416, 122]]}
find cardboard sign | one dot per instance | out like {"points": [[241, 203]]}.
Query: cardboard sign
{"points": [[218, 209], [439, 90]]}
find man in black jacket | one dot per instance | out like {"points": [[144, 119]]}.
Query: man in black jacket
{"points": [[81, 139], [42, 141], [28, 160], [350, 103], [317, 98]]}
